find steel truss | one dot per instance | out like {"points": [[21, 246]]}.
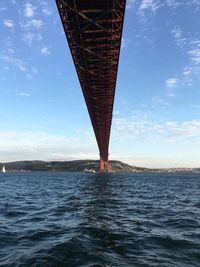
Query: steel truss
{"points": [[94, 29]]}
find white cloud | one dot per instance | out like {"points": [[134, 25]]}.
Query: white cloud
{"points": [[8, 23], [30, 29], [191, 49], [45, 51], [146, 4], [34, 23], [45, 8], [37, 23], [29, 37], [29, 76], [16, 62], [34, 70], [130, 4], [13, 138], [152, 5], [187, 71], [195, 55], [141, 127], [24, 94], [29, 10], [195, 3], [47, 11], [172, 82], [159, 102], [30, 145], [179, 37], [173, 3], [123, 43]]}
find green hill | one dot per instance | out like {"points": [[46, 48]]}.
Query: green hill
{"points": [[76, 165]]}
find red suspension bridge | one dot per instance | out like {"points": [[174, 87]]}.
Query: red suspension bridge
{"points": [[94, 30]]}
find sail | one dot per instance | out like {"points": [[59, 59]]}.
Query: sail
{"points": [[3, 169]]}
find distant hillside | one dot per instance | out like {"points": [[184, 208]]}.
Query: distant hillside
{"points": [[80, 165], [76, 165]]}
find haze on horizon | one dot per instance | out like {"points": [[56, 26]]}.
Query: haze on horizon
{"points": [[156, 120]]}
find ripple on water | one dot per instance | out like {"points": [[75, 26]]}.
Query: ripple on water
{"points": [[74, 219]]}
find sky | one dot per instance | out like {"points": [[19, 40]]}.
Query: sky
{"points": [[156, 119]]}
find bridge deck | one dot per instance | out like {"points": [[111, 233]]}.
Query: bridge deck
{"points": [[93, 29]]}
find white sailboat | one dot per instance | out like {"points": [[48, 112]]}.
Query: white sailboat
{"points": [[89, 170], [3, 169]]}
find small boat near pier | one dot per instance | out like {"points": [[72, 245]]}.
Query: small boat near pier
{"points": [[89, 170]]}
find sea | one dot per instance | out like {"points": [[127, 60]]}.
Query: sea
{"points": [[101, 219]]}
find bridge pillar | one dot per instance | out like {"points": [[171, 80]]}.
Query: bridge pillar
{"points": [[103, 165]]}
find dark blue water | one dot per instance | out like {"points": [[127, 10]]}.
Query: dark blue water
{"points": [[77, 219]]}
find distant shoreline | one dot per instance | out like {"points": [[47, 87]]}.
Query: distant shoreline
{"points": [[80, 165]]}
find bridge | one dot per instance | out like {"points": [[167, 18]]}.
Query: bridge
{"points": [[93, 29]]}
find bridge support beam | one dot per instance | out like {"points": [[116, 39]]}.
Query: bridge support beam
{"points": [[94, 33], [103, 165]]}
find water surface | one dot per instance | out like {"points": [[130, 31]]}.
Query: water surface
{"points": [[78, 219]]}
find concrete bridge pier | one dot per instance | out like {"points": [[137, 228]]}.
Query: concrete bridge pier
{"points": [[103, 165]]}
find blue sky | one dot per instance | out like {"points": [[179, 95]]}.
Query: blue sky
{"points": [[156, 120]]}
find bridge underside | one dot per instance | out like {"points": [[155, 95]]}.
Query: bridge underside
{"points": [[93, 29]]}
